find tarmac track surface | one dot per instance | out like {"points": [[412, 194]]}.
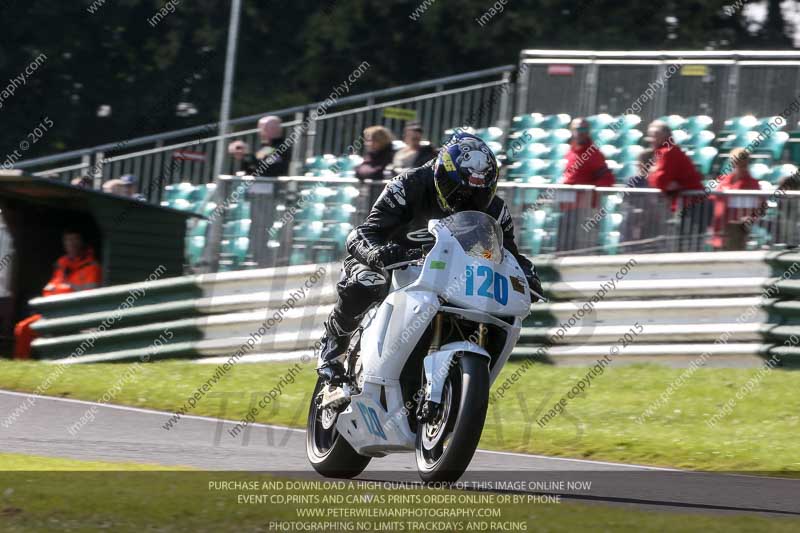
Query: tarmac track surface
{"points": [[129, 434]]}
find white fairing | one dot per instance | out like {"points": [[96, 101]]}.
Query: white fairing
{"points": [[478, 289]]}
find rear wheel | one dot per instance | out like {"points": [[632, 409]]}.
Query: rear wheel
{"points": [[447, 441], [328, 452]]}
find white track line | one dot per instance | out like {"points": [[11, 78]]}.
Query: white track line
{"points": [[142, 410], [236, 422]]}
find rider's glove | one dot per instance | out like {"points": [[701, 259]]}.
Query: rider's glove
{"points": [[385, 255], [536, 285]]}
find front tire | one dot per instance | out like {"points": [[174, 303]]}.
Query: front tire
{"points": [[328, 452], [445, 445]]}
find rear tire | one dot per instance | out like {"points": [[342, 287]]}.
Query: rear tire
{"points": [[328, 452], [445, 446]]}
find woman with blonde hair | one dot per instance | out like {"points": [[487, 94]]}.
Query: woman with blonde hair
{"points": [[378, 153]]}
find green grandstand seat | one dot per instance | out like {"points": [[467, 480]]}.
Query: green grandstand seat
{"points": [[235, 249], [552, 122], [179, 203], [528, 195], [208, 209], [524, 122], [681, 137], [495, 147], [309, 231], [703, 158], [773, 145], [345, 194], [739, 125], [782, 171], [559, 136], [610, 232], [675, 122], [626, 122], [183, 190], [236, 229], [701, 139], [320, 165], [626, 171], [197, 228], [530, 151], [767, 122], [559, 151], [490, 134], [300, 255], [311, 211], [195, 246], [604, 136], [760, 171], [238, 211], [609, 151], [531, 135], [738, 140], [627, 138], [339, 213], [697, 123], [527, 168], [347, 164], [630, 153], [600, 122]]}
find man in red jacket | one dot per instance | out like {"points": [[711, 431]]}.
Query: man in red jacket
{"points": [[586, 164], [77, 270], [673, 172]]}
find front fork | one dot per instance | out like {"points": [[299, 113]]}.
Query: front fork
{"points": [[428, 409]]}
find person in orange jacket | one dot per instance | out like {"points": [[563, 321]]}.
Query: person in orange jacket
{"points": [[77, 270]]}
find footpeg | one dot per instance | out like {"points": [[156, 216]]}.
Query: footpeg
{"points": [[335, 397]]}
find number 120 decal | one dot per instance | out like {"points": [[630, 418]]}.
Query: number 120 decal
{"points": [[490, 283]]}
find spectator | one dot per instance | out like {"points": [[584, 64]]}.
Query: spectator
{"points": [[672, 170], [644, 163], [82, 181], [729, 224], [273, 157], [123, 186], [586, 164], [675, 174], [415, 154], [238, 149], [379, 153], [77, 270]]}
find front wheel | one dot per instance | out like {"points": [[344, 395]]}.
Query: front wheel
{"points": [[328, 452], [447, 441]]}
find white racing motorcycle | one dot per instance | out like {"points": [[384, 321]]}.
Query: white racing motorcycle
{"points": [[421, 363]]}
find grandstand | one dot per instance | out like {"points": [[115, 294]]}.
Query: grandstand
{"points": [[523, 114]]}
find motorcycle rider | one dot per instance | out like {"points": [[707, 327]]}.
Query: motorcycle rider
{"points": [[463, 177]]}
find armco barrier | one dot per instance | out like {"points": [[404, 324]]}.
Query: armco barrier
{"points": [[734, 307]]}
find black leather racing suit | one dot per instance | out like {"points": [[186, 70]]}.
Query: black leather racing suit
{"points": [[406, 204]]}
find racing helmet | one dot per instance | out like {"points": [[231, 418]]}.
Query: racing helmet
{"points": [[465, 174]]}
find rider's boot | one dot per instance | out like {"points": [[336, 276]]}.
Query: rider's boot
{"points": [[332, 352]]}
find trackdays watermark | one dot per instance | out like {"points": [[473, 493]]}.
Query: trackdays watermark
{"points": [[21, 79], [294, 298]]}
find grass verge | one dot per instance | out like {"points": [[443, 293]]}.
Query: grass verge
{"points": [[759, 434]]}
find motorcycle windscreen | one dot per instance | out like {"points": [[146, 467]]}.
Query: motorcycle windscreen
{"points": [[478, 234]]}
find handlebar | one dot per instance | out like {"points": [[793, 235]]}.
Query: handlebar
{"points": [[417, 255]]}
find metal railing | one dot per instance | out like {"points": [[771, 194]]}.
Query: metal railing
{"points": [[291, 221], [470, 99], [721, 84]]}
